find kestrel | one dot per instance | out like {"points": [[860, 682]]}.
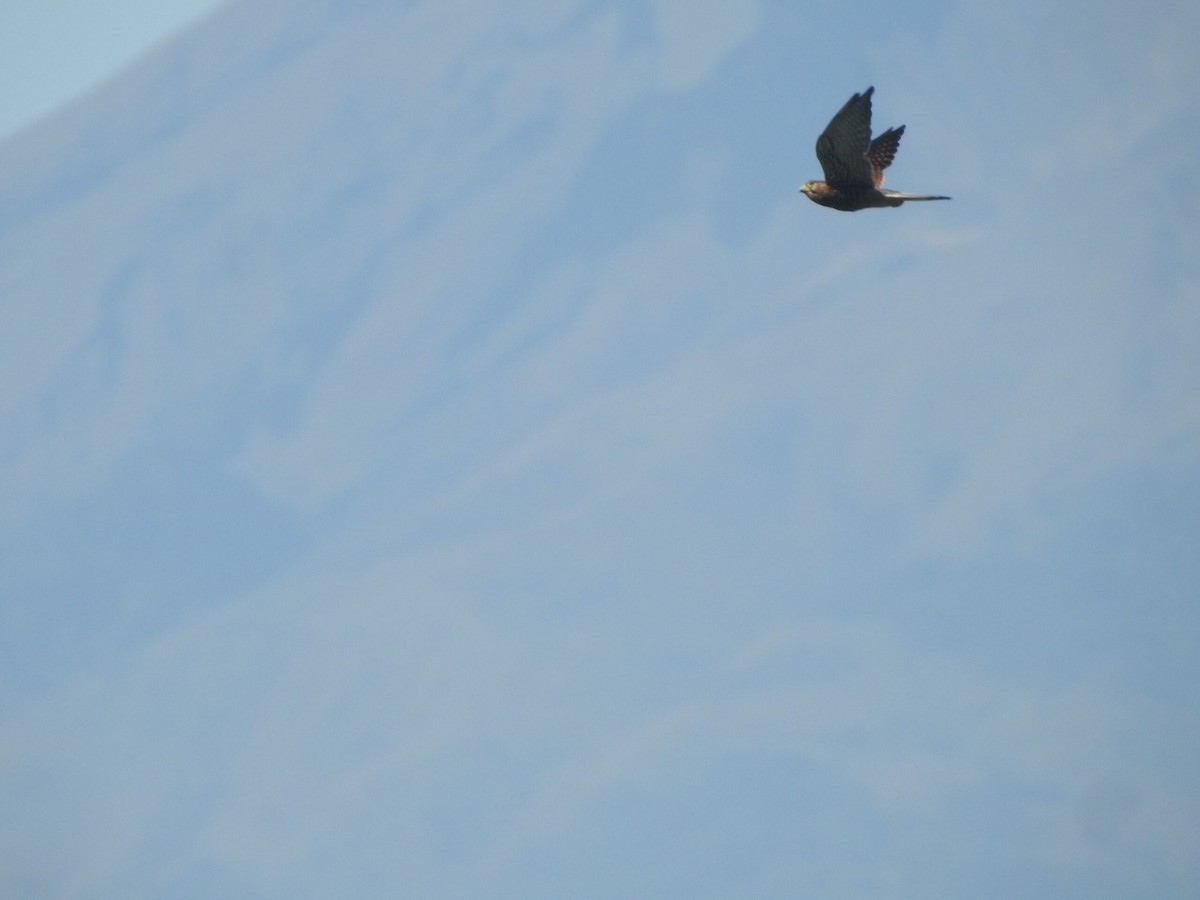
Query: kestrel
{"points": [[854, 164]]}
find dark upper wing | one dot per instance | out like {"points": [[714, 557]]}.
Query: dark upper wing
{"points": [[842, 146], [883, 151]]}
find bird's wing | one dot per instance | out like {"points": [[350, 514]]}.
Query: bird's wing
{"points": [[842, 146], [883, 151]]}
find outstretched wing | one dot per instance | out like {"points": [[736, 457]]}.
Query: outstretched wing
{"points": [[842, 146], [882, 152]]}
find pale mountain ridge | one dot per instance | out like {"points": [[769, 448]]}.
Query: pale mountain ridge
{"points": [[414, 484]]}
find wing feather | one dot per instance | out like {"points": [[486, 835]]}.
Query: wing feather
{"points": [[882, 152], [843, 145]]}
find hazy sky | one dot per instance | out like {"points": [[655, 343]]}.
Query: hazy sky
{"points": [[51, 53], [443, 455]]}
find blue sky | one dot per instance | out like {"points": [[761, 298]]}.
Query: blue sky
{"points": [[52, 54], [443, 455]]}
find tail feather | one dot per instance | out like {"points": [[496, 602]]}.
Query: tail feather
{"points": [[901, 195]]}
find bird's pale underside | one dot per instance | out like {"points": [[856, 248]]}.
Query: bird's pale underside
{"points": [[854, 164]]}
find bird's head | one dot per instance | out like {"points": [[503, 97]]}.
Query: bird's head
{"points": [[807, 188]]}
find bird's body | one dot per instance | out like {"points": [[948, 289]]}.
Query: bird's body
{"points": [[854, 164]]}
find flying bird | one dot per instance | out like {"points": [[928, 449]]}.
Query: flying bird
{"points": [[854, 164]]}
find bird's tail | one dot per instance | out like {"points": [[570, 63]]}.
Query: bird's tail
{"points": [[900, 195]]}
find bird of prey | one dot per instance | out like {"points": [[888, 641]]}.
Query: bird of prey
{"points": [[854, 164]]}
